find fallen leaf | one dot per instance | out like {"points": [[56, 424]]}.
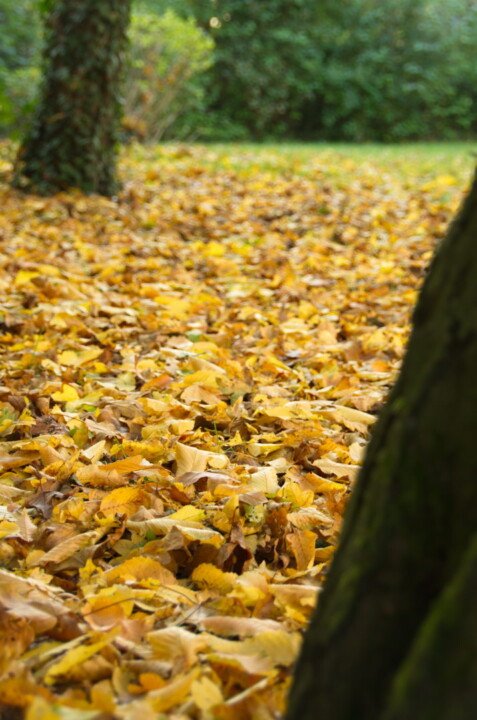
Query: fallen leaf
{"points": [[74, 657], [139, 569], [67, 394], [302, 545], [208, 576]]}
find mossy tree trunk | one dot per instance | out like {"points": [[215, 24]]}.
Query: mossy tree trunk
{"points": [[394, 634], [73, 138]]}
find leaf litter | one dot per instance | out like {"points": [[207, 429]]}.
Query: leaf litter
{"points": [[189, 376]]}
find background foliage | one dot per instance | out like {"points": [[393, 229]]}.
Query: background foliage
{"points": [[20, 45], [163, 91], [354, 70]]}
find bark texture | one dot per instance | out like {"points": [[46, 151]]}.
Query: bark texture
{"points": [[411, 520], [437, 681], [73, 138]]}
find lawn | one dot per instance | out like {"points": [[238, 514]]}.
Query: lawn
{"points": [[415, 159]]}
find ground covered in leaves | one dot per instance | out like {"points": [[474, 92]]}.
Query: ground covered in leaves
{"points": [[189, 376]]}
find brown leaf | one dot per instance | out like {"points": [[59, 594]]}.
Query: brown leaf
{"points": [[302, 544], [68, 548], [229, 626]]}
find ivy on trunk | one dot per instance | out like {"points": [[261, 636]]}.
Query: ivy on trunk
{"points": [[73, 138]]}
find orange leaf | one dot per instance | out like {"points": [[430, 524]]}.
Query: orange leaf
{"points": [[302, 544]]}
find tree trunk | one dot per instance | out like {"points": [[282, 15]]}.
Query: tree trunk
{"points": [[72, 142], [411, 520], [437, 681]]}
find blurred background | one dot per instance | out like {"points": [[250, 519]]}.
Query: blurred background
{"points": [[248, 70]]}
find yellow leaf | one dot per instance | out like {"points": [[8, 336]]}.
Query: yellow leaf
{"points": [[256, 449], [356, 452], [109, 608], [146, 364], [67, 394], [177, 307], [62, 469], [266, 480], [206, 694], [341, 412], [102, 697], [190, 459], [298, 596], [213, 248], [100, 476], [187, 513], [41, 709], [50, 270], [76, 656], [217, 461], [123, 501], [7, 462], [202, 377], [292, 410], [71, 358], [173, 693], [280, 646], [309, 517], [324, 554], [155, 407], [292, 492], [128, 465], [179, 427], [198, 363], [139, 569], [7, 527], [95, 452], [190, 530], [275, 362], [23, 277], [211, 577], [199, 394], [109, 475], [323, 485], [149, 450]]}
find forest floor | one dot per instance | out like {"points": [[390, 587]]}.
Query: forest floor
{"points": [[189, 376]]}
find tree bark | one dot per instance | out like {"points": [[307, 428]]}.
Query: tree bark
{"points": [[437, 681], [73, 138], [413, 513]]}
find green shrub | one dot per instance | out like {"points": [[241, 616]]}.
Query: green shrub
{"points": [[266, 64], [399, 71], [20, 52], [349, 70], [163, 93], [18, 91]]}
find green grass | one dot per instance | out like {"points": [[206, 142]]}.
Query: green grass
{"points": [[338, 160], [407, 159]]}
